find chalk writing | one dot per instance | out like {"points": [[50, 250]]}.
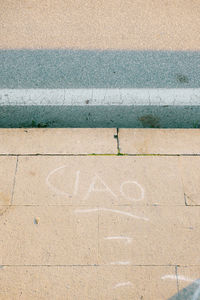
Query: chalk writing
{"points": [[131, 198], [93, 189], [93, 186], [127, 240], [120, 263], [111, 210], [120, 284]]}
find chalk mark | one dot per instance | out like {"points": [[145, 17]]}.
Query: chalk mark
{"points": [[129, 198], [92, 189], [120, 284], [183, 278], [52, 186], [121, 263], [111, 210], [127, 240]]}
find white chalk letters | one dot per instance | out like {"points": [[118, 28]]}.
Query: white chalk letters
{"points": [[97, 185]]}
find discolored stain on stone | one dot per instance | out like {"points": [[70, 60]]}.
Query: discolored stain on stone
{"points": [[4, 202], [4, 199], [182, 78], [149, 121], [32, 173]]}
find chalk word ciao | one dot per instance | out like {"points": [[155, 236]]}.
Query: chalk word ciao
{"points": [[93, 186]]}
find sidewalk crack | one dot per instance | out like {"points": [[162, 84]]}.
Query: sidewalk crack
{"points": [[13, 188], [177, 282], [118, 145]]}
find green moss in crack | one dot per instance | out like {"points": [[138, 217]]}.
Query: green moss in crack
{"points": [[120, 154], [196, 125]]}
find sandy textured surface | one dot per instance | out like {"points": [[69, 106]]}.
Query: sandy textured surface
{"points": [[139, 25], [156, 141]]}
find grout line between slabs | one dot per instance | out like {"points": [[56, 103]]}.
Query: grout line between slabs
{"points": [[89, 205], [92, 265], [97, 154]]}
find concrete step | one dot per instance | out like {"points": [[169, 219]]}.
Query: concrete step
{"points": [[102, 64]]}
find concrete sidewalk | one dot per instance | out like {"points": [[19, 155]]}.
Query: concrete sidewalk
{"points": [[105, 24], [99, 214]]}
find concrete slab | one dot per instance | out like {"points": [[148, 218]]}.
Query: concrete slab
{"points": [[101, 25], [86, 282], [158, 236], [119, 282], [7, 182], [43, 282], [98, 180], [48, 236], [58, 141], [74, 236], [156, 141]]}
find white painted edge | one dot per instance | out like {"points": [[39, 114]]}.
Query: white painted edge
{"points": [[101, 97]]}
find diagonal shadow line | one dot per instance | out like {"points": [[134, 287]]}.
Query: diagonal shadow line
{"points": [[191, 292]]}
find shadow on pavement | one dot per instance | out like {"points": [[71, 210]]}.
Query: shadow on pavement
{"points": [[191, 292], [25, 69]]}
